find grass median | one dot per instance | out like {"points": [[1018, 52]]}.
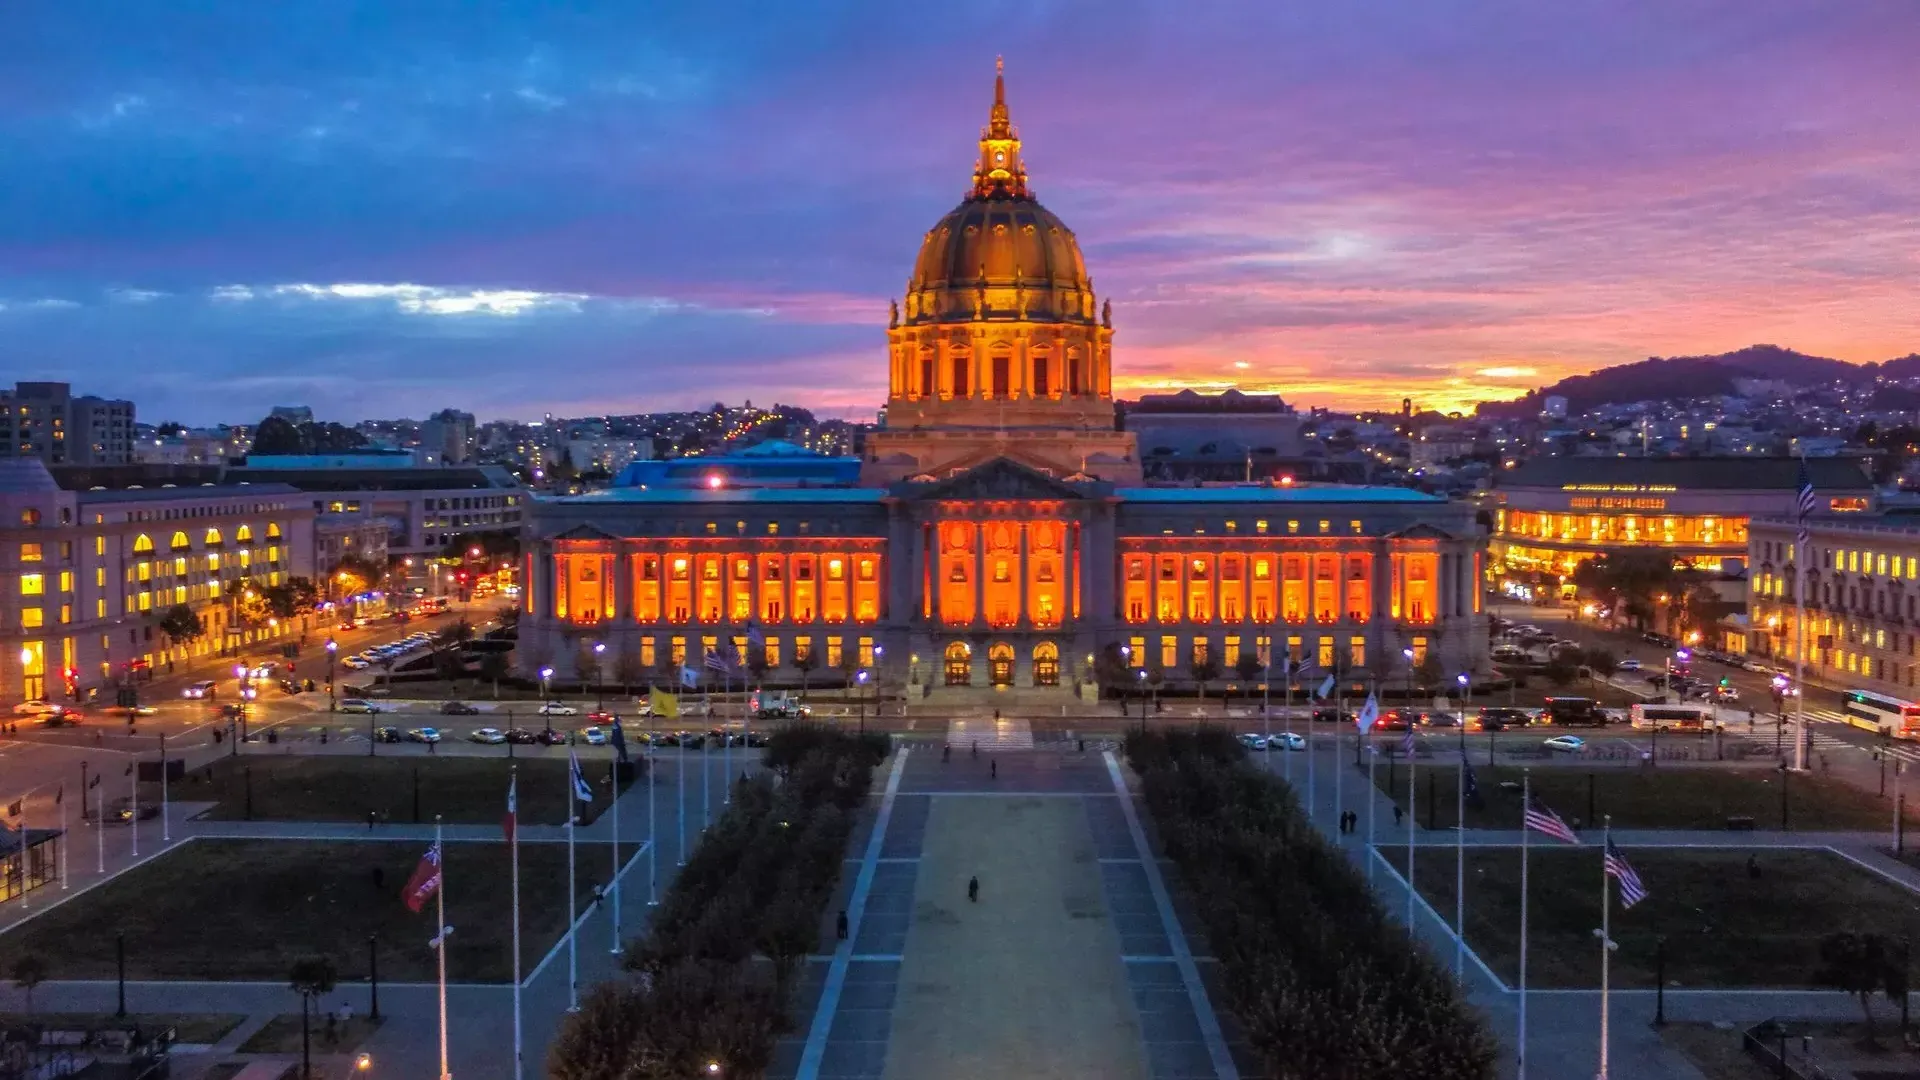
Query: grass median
{"points": [[247, 909], [1660, 797], [463, 790], [1724, 925]]}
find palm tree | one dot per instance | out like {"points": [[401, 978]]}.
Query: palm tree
{"points": [[27, 972], [310, 978]]}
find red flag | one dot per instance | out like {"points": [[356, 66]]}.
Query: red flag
{"points": [[512, 819], [425, 880]]}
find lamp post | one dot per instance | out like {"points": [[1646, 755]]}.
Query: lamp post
{"points": [[860, 692], [879, 670], [599, 683], [333, 649], [1142, 695], [1408, 653], [1466, 691], [546, 673]]}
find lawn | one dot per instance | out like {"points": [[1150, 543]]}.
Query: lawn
{"points": [[1723, 927], [1662, 797], [463, 790], [247, 909]]}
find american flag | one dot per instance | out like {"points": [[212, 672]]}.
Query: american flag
{"points": [[1631, 891], [1804, 500], [1406, 744], [1470, 790], [717, 662], [1540, 818]]}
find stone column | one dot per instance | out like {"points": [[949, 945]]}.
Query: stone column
{"points": [[622, 571], [1024, 617], [979, 573]]}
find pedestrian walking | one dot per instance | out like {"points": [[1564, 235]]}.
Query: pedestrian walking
{"points": [[946, 754], [1397, 814], [993, 769], [840, 926], [372, 816], [346, 1013], [973, 890]]}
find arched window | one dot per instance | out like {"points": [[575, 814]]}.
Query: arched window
{"points": [[180, 542], [243, 534], [213, 537], [1074, 382], [273, 531], [926, 388], [142, 543]]}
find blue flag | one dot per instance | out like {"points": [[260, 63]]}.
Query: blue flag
{"points": [[619, 739]]}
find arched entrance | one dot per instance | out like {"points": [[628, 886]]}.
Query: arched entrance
{"points": [[959, 666], [1046, 664], [1000, 663]]}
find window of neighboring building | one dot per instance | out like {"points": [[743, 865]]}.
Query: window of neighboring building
{"points": [[33, 584], [31, 617], [29, 552]]}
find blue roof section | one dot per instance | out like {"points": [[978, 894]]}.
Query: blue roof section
{"points": [[723, 496], [1305, 493]]}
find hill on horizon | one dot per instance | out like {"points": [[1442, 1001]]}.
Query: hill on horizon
{"points": [[1667, 378]]}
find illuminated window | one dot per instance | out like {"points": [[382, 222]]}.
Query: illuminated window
{"points": [[1325, 525], [1419, 650], [773, 652], [836, 653], [99, 545], [1260, 526], [66, 581], [1293, 526], [29, 552], [31, 617], [1324, 652], [33, 584], [1169, 652]]}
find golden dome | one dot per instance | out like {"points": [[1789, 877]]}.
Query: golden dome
{"points": [[999, 254]]}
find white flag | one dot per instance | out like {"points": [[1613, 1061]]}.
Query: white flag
{"points": [[582, 790], [1326, 689], [1369, 713]]}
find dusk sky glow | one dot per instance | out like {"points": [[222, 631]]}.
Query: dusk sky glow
{"points": [[381, 209]]}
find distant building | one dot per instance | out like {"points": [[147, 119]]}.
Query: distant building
{"points": [[1553, 513], [608, 452], [86, 575], [292, 414], [44, 420], [194, 448], [423, 508], [1228, 436], [1862, 601], [447, 438], [1554, 407]]}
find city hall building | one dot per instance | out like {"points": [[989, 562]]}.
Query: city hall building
{"points": [[997, 531]]}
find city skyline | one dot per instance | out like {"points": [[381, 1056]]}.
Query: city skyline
{"points": [[386, 217]]}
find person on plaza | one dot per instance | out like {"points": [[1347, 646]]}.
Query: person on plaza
{"points": [[973, 890], [840, 926], [946, 754], [993, 769], [1397, 814]]}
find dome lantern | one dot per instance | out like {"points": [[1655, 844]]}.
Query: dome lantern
{"points": [[1000, 171]]}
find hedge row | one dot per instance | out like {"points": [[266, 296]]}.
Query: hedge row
{"points": [[1322, 982], [713, 975]]}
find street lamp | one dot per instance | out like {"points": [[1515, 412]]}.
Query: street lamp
{"points": [[1408, 653], [861, 679], [599, 679], [333, 648], [1466, 691]]}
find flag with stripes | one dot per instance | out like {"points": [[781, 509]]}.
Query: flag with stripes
{"points": [[1631, 891], [1538, 817], [754, 636], [1406, 744], [1804, 500], [1470, 784], [582, 790], [717, 662]]}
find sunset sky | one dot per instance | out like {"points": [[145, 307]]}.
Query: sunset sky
{"points": [[522, 206]]}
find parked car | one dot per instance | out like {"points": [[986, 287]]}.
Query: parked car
{"points": [[489, 735], [354, 663], [1328, 714], [601, 716], [1567, 743], [357, 705], [1629, 664], [1499, 718], [558, 708], [521, 737], [1726, 694], [593, 736], [202, 690], [423, 735], [388, 735], [1253, 742], [459, 708], [550, 737], [1287, 740]]}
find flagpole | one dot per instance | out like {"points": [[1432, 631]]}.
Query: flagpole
{"points": [[1289, 719], [513, 854], [573, 905], [653, 849], [1373, 759], [706, 786], [1526, 803], [166, 821], [133, 785], [26, 900], [613, 768], [1800, 648], [1311, 749], [440, 914], [1460, 868], [99, 824], [681, 789], [1339, 725], [1413, 825], [1606, 939], [726, 739], [61, 798]]}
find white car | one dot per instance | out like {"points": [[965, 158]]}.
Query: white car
{"points": [[1629, 664], [1253, 742], [38, 707], [593, 736], [1568, 743], [489, 735], [556, 708], [1287, 740], [354, 663]]}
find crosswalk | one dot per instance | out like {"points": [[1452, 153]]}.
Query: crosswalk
{"points": [[990, 734], [1820, 739]]}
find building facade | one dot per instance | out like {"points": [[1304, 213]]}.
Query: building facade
{"points": [[1553, 513], [87, 576], [44, 420], [424, 509], [1862, 627], [996, 532]]}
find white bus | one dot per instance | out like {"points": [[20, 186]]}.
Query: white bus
{"points": [[1881, 712], [1675, 717]]}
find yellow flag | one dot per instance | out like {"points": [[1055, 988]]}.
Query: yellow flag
{"points": [[664, 705]]}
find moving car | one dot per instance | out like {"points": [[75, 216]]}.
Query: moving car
{"points": [[550, 737], [388, 735], [63, 717], [1567, 743], [459, 708], [354, 663], [38, 707], [557, 708], [521, 737], [601, 716], [423, 734], [1253, 742], [489, 735], [593, 736], [1500, 718], [129, 710], [1287, 740], [357, 705], [205, 688], [1629, 664]]}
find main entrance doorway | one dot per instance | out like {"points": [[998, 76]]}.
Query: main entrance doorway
{"points": [[1000, 663], [959, 664], [1046, 664]]}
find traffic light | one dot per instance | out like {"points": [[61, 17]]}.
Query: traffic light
{"points": [[1725, 682]]}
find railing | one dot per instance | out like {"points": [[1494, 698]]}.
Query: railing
{"points": [[1768, 1041]]}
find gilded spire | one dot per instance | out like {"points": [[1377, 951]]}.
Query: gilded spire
{"points": [[999, 171]]}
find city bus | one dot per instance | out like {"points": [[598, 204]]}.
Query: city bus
{"points": [[1572, 712], [1674, 717], [1881, 712]]}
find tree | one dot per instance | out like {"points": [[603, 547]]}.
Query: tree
{"points": [[805, 661], [1110, 667], [1428, 672], [1861, 965], [1560, 671], [1249, 668], [508, 616], [1600, 662], [278, 435], [27, 972], [493, 668], [1204, 670], [310, 978], [291, 599], [355, 574], [628, 669], [181, 625]]}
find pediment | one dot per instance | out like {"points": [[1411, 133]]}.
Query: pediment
{"points": [[999, 478], [584, 531], [1421, 530]]}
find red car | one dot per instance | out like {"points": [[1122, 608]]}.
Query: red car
{"points": [[599, 717]]}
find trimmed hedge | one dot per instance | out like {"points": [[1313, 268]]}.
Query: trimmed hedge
{"points": [[1324, 984], [715, 970]]}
